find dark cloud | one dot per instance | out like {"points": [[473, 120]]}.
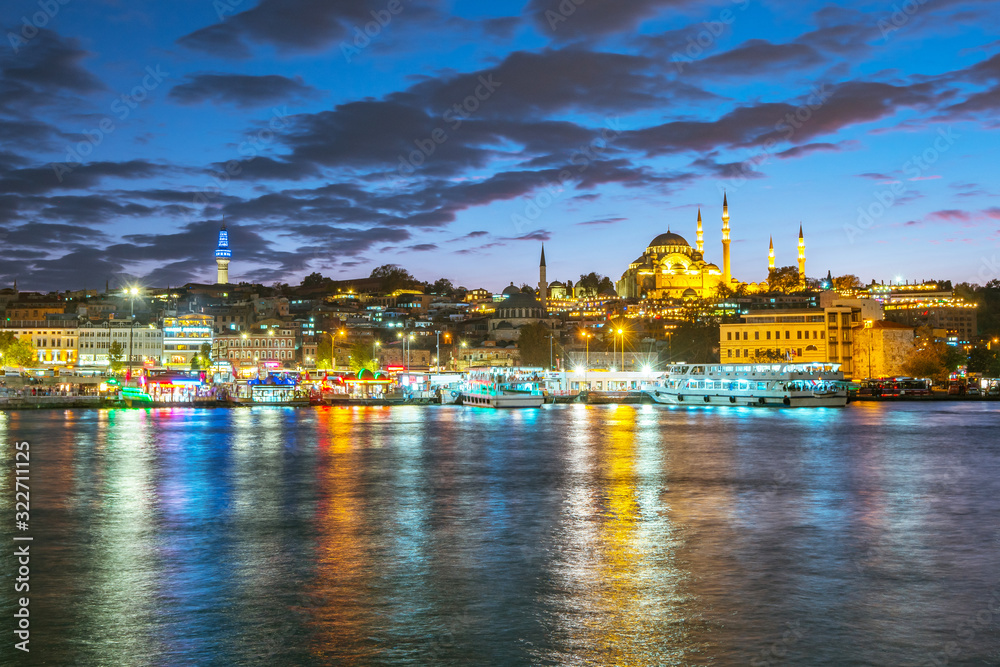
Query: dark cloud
{"points": [[602, 221], [807, 149], [423, 247], [49, 62], [293, 25], [240, 89], [564, 20], [754, 56], [265, 168], [37, 180]]}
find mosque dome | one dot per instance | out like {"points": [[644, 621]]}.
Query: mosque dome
{"points": [[520, 305], [510, 290], [669, 239]]}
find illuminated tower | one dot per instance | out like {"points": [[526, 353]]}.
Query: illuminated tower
{"points": [[802, 259], [543, 285], [701, 236], [770, 257], [222, 256], [727, 274]]}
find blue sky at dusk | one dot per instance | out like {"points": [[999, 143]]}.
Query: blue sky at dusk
{"points": [[129, 129]]}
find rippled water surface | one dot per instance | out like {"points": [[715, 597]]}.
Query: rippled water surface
{"points": [[568, 535]]}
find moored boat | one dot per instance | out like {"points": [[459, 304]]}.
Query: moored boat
{"points": [[502, 388], [758, 385]]}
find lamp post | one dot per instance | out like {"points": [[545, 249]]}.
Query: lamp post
{"points": [[409, 346], [621, 333], [437, 361], [375, 347], [586, 370], [131, 292], [868, 325]]}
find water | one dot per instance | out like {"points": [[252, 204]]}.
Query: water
{"points": [[569, 535]]}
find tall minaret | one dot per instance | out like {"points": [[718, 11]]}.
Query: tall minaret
{"points": [[701, 236], [770, 257], [543, 285], [222, 256], [802, 259], [727, 274]]}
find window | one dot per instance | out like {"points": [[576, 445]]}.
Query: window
{"points": [[799, 332], [769, 335], [788, 334], [737, 354], [800, 351], [756, 335], [729, 335], [815, 335], [822, 335], [746, 335], [730, 353]]}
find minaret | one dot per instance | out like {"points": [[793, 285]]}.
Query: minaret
{"points": [[701, 236], [727, 274], [802, 259], [770, 257], [222, 256], [543, 285]]}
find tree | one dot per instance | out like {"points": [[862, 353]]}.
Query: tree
{"points": [[205, 351], [116, 353], [324, 352], [203, 359], [783, 279], [768, 356], [20, 353], [443, 287], [846, 282], [361, 356], [984, 361], [931, 358], [593, 284], [392, 277], [695, 342], [533, 344], [315, 279]]}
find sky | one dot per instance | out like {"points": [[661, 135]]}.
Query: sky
{"points": [[454, 138]]}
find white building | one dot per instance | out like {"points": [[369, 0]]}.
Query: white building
{"points": [[96, 338]]}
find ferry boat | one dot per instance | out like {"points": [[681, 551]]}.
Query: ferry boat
{"points": [[503, 388], [759, 385]]}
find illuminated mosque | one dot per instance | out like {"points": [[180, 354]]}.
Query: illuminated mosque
{"points": [[671, 269]]}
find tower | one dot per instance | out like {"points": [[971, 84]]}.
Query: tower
{"points": [[543, 285], [701, 236], [727, 274], [222, 256], [770, 257], [802, 259]]}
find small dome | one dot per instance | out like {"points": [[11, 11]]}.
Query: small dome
{"points": [[507, 291], [669, 239], [689, 293], [519, 300]]}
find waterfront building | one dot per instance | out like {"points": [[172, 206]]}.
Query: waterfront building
{"points": [[807, 335], [28, 306], [272, 344], [881, 348], [96, 338], [183, 337], [55, 341], [928, 305]]}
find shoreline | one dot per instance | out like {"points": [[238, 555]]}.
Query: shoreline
{"points": [[95, 403]]}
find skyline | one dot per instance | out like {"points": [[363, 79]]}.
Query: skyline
{"points": [[434, 141]]}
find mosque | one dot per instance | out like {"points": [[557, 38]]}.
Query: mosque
{"points": [[671, 269]]}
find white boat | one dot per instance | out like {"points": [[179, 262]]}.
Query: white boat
{"points": [[502, 388], [758, 385]]}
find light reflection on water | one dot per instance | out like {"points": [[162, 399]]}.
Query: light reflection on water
{"points": [[567, 535]]}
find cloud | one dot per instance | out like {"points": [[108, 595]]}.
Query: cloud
{"points": [[48, 63], [240, 89], [293, 25], [563, 20], [602, 221], [422, 247]]}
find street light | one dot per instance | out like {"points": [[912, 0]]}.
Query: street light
{"points": [[131, 293], [621, 333], [586, 370], [375, 347]]}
